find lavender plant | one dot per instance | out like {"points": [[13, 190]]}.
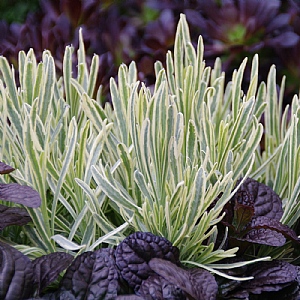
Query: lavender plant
{"points": [[165, 160]]}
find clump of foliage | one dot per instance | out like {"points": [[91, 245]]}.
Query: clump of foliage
{"points": [[170, 160]]}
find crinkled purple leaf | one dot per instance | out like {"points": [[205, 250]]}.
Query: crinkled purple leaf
{"points": [[196, 282], [264, 236], [253, 215], [266, 202], [273, 280], [270, 276], [230, 289], [156, 287], [13, 216], [243, 197], [16, 274], [5, 169], [92, 275], [134, 253], [266, 231], [290, 292], [48, 267], [203, 283], [20, 194], [274, 225]]}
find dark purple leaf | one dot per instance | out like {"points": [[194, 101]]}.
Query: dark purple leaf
{"points": [[159, 32], [273, 280], [270, 276], [134, 253], [264, 222], [264, 236], [243, 215], [48, 267], [92, 275], [13, 216], [16, 274], [266, 231], [279, 21], [266, 202], [290, 292], [58, 295], [253, 216], [284, 40], [196, 282], [243, 197], [194, 18], [5, 169], [156, 287], [240, 294], [20, 194]]}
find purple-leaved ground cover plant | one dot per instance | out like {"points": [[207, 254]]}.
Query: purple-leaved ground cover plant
{"points": [[149, 265], [253, 216]]}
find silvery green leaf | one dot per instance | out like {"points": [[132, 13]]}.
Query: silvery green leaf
{"points": [[65, 243]]}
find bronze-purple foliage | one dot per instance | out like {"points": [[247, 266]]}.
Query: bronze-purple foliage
{"points": [[143, 31]]}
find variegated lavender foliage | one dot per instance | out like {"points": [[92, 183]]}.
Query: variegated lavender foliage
{"points": [[253, 218]]}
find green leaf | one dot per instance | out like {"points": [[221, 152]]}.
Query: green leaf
{"points": [[113, 192], [66, 243]]}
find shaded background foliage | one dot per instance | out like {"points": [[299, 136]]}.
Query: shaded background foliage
{"points": [[122, 31]]}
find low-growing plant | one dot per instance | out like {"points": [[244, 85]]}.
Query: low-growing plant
{"points": [[167, 160]]}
